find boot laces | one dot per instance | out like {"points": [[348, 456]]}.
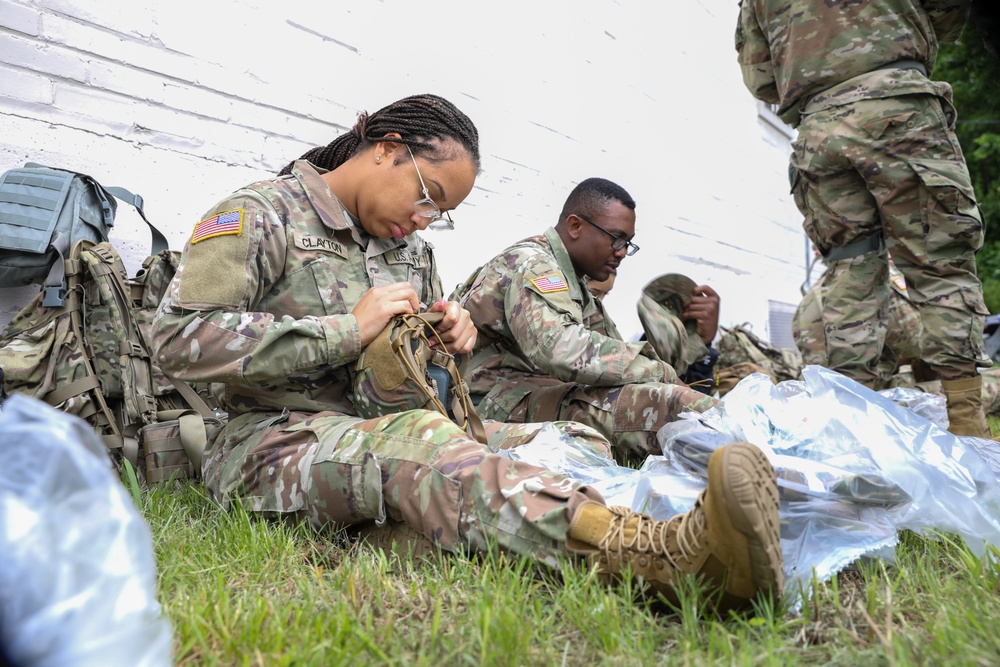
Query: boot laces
{"points": [[648, 536], [690, 530]]}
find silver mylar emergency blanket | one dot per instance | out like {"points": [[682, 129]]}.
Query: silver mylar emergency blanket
{"points": [[854, 467]]}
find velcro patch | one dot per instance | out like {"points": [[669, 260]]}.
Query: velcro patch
{"points": [[550, 283], [220, 224]]}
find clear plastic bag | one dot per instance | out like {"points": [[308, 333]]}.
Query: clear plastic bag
{"points": [[77, 574]]}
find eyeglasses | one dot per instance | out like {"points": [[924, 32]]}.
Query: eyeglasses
{"points": [[426, 208], [618, 242]]}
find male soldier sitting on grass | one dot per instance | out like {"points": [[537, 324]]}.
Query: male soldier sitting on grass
{"points": [[546, 349]]}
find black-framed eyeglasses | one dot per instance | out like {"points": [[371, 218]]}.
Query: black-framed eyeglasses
{"points": [[617, 242], [426, 208]]}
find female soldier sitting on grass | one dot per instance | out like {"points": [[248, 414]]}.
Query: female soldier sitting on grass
{"points": [[284, 283]]}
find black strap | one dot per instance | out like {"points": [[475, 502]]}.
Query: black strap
{"points": [[855, 248], [906, 64]]}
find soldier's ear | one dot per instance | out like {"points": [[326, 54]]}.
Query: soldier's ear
{"points": [[574, 226], [387, 150]]}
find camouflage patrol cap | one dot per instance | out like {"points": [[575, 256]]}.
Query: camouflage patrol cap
{"points": [[660, 308]]}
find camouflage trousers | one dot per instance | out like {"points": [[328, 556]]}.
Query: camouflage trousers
{"points": [[415, 466], [627, 415], [893, 167]]}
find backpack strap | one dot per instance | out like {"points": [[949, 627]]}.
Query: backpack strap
{"points": [[159, 240], [193, 435], [128, 446]]}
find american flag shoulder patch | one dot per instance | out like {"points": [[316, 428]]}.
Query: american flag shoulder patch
{"points": [[220, 224], [550, 283]]}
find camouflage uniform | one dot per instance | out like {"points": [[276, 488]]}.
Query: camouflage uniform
{"points": [[546, 350], [876, 165], [265, 309], [902, 341]]}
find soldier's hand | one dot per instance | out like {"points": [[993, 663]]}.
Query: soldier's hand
{"points": [[381, 304], [703, 308], [456, 328]]}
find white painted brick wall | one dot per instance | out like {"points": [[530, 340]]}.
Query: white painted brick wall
{"points": [[186, 101]]}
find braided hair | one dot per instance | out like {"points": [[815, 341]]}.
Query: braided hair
{"points": [[418, 119]]}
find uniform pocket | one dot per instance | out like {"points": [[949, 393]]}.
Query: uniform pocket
{"points": [[877, 128], [328, 291], [951, 217]]}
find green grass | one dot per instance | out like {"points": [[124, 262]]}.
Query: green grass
{"points": [[244, 591]]}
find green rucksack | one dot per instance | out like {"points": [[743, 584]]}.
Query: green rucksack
{"points": [[89, 357], [44, 212]]}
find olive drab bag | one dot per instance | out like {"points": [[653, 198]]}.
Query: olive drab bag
{"points": [[400, 371], [741, 353], [44, 211], [90, 357]]}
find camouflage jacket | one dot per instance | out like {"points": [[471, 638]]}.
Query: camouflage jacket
{"points": [[264, 304], [795, 53], [539, 325]]}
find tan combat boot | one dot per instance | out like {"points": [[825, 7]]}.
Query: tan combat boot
{"points": [[965, 406], [731, 538]]}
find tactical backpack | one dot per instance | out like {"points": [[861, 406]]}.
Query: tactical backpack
{"points": [[741, 353], [90, 357], [399, 371], [44, 212]]}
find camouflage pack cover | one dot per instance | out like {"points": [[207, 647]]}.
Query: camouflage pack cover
{"points": [[89, 358], [660, 307], [400, 371], [741, 352]]}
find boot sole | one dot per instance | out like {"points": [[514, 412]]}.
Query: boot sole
{"points": [[750, 492]]}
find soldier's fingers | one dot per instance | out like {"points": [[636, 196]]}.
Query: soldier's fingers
{"points": [[705, 290], [453, 314]]}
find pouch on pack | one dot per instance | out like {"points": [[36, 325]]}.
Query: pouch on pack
{"points": [[741, 353], [90, 357], [44, 211], [400, 371]]}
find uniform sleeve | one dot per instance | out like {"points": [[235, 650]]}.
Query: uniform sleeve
{"points": [[548, 327], [208, 328], [948, 17], [754, 55]]}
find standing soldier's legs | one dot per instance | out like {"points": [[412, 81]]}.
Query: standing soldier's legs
{"points": [[839, 214], [628, 415], [933, 230]]}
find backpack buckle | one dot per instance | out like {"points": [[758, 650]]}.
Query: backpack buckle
{"points": [[55, 296]]}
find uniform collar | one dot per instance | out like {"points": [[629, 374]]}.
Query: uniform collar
{"points": [[573, 281], [331, 210]]}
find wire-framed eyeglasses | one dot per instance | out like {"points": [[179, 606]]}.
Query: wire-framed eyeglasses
{"points": [[426, 208], [617, 242]]}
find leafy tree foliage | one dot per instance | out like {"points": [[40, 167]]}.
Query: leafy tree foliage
{"points": [[972, 68]]}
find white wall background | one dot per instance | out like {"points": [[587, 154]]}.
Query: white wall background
{"points": [[185, 101]]}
